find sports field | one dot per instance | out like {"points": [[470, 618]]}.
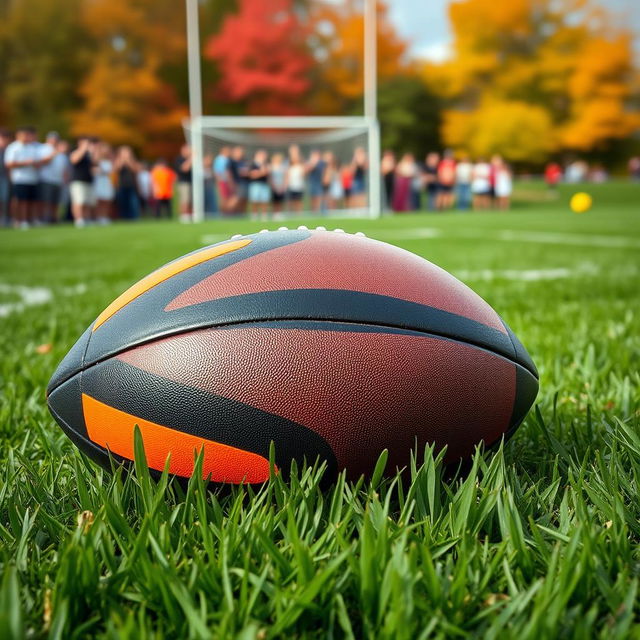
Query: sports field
{"points": [[540, 540]]}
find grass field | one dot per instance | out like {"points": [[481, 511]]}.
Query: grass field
{"points": [[540, 540]]}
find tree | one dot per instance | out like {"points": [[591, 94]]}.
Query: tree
{"points": [[338, 45], [409, 115], [126, 99], [262, 57], [554, 73], [40, 83]]}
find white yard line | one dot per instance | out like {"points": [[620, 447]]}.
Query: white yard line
{"points": [[527, 275], [32, 296], [29, 297], [580, 239]]}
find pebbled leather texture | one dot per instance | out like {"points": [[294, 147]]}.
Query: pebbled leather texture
{"points": [[331, 345]]}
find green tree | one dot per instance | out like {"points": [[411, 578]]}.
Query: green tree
{"points": [[409, 115], [44, 50]]}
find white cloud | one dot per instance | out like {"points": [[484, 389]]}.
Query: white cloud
{"points": [[436, 52]]}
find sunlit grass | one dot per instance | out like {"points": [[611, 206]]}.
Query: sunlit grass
{"points": [[539, 540]]}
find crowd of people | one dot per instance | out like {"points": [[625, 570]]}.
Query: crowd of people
{"points": [[45, 182], [443, 182], [93, 183]]}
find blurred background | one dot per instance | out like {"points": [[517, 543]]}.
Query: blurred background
{"points": [[529, 79], [471, 94]]}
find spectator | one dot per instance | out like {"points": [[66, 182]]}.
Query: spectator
{"points": [[145, 192], [210, 197], [330, 177], [81, 189], [599, 174], [346, 178], [315, 171], [52, 176], [126, 169], [162, 182], [240, 173], [481, 185], [103, 188], [446, 181], [634, 169], [22, 158], [553, 175], [406, 172], [183, 171], [224, 179], [577, 172], [359, 167], [503, 185], [430, 179], [5, 183], [295, 179], [259, 190], [278, 182], [388, 169], [464, 175]]}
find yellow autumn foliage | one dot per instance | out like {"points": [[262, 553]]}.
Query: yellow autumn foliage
{"points": [[339, 49], [532, 77]]}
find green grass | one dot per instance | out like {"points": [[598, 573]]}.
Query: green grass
{"points": [[540, 540]]}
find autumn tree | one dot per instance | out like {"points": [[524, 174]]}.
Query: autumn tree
{"points": [[126, 98], [338, 45], [262, 57], [43, 51], [531, 77]]}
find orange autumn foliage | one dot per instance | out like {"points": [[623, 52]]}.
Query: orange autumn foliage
{"points": [[339, 50], [126, 101]]}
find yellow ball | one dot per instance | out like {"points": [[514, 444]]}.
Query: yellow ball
{"points": [[581, 202]]}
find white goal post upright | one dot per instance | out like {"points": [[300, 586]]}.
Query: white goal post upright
{"points": [[198, 122]]}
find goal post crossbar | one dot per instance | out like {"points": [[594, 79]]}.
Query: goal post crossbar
{"points": [[199, 123], [283, 122]]}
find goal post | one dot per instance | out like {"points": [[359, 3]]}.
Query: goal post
{"points": [[198, 123]]}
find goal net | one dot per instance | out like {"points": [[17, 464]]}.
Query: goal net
{"points": [[302, 166], [331, 164]]}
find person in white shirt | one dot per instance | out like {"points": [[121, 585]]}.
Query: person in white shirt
{"points": [[296, 179], [464, 176], [481, 185], [54, 173], [504, 184], [103, 189], [23, 159]]}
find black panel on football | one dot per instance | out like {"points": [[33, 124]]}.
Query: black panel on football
{"points": [[203, 414], [144, 318]]}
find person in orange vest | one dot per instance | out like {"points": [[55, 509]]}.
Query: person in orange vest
{"points": [[163, 179]]}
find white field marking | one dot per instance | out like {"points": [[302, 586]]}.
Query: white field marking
{"points": [[527, 275], [549, 237], [29, 297], [32, 296], [509, 235]]}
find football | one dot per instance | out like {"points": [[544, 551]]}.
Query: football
{"points": [[330, 345]]}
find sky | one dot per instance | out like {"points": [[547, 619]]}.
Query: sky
{"points": [[425, 23]]}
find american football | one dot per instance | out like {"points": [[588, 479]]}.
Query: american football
{"points": [[332, 346]]}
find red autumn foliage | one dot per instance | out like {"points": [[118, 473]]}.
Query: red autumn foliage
{"points": [[262, 58]]}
